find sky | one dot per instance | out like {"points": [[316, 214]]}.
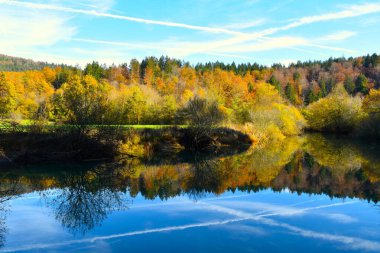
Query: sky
{"points": [[115, 31]]}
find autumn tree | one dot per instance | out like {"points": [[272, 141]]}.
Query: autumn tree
{"points": [[338, 112], [135, 71], [370, 124], [86, 100], [7, 97]]}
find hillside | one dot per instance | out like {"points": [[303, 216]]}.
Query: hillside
{"points": [[10, 63]]}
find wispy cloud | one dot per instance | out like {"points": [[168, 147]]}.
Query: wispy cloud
{"points": [[219, 48], [239, 42], [246, 25], [115, 16], [339, 217], [24, 29], [337, 36], [348, 12], [237, 45]]}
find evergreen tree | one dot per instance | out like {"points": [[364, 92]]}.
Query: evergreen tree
{"points": [[349, 85], [361, 84], [323, 89], [273, 81], [290, 93], [95, 69]]}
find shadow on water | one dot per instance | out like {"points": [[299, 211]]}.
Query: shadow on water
{"points": [[81, 195]]}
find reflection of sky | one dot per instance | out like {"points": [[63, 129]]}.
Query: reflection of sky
{"points": [[264, 221]]}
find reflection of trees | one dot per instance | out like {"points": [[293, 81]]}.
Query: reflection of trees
{"points": [[3, 228], [3, 217], [333, 166], [205, 176], [317, 166], [9, 188], [86, 200], [344, 156], [248, 171], [341, 155]]}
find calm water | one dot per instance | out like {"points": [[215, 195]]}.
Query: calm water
{"points": [[309, 194]]}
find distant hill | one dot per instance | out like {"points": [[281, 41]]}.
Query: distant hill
{"points": [[10, 63]]}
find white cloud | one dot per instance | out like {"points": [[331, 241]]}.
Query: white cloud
{"points": [[339, 217], [337, 36], [245, 25], [235, 50], [100, 5], [287, 62], [31, 28], [348, 12]]}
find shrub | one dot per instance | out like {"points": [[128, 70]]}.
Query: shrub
{"points": [[338, 112], [370, 123], [273, 119]]}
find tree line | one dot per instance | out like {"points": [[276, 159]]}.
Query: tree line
{"points": [[274, 101]]}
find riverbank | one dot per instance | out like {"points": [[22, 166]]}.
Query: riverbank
{"points": [[106, 143]]}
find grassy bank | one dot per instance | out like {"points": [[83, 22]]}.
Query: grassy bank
{"points": [[29, 144]]}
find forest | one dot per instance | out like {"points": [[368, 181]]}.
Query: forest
{"points": [[339, 95]]}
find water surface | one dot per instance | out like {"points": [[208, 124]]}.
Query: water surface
{"points": [[314, 194]]}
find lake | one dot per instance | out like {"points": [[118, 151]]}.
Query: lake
{"points": [[307, 194]]}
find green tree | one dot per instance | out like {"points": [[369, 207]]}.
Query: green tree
{"points": [[323, 89], [361, 84], [135, 71], [312, 96], [290, 93], [296, 76], [273, 81], [349, 85], [95, 69]]}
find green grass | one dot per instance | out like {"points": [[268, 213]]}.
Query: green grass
{"points": [[24, 124]]}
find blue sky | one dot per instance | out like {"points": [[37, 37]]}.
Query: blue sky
{"points": [[111, 31]]}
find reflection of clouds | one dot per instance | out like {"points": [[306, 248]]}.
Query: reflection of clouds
{"points": [[8, 191], [339, 217], [20, 223], [351, 242], [276, 211], [114, 236], [260, 217], [264, 207], [242, 228]]}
